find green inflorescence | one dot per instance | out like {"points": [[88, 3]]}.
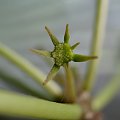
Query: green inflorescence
{"points": [[62, 53]]}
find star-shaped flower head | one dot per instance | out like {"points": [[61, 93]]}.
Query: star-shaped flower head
{"points": [[62, 53]]}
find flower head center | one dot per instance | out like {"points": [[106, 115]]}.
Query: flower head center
{"points": [[62, 54]]}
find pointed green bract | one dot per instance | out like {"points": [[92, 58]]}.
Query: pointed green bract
{"points": [[53, 38], [41, 52], [52, 73], [75, 45], [82, 58], [66, 36]]}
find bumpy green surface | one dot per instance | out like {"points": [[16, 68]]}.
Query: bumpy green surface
{"points": [[62, 53]]}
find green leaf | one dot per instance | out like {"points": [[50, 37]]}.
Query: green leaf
{"points": [[53, 38], [75, 45], [52, 73], [41, 52], [82, 58], [66, 36]]}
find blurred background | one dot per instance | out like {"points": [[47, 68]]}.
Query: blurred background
{"points": [[22, 25]]}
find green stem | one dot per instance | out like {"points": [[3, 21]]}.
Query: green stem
{"points": [[70, 85], [106, 95], [19, 105], [31, 70], [12, 80], [96, 47]]}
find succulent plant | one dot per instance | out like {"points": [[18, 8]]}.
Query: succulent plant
{"points": [[62, 53]]}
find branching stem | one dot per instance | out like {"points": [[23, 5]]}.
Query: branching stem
{"points": [[70, 85], [96, 46], [30, 69], [106, 95]]}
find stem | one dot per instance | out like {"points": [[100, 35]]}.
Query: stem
{"points": [[105, 96], [31, 70], [70, 85], [21, 85], [19, 105], [96, 47]]}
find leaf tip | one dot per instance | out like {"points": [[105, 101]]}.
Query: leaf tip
{"points": [[75, 45], [32, 50], [94, 57]]}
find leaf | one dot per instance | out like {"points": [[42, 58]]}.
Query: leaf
{"points": [[52, 73], [82, 58], [66, 36], [53, 38], [75, 45], [41, 52]]}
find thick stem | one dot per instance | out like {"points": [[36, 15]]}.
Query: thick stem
{"points": [[70, 85], [96, 47], [106, 95], [31, 70], [12, 104]]}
